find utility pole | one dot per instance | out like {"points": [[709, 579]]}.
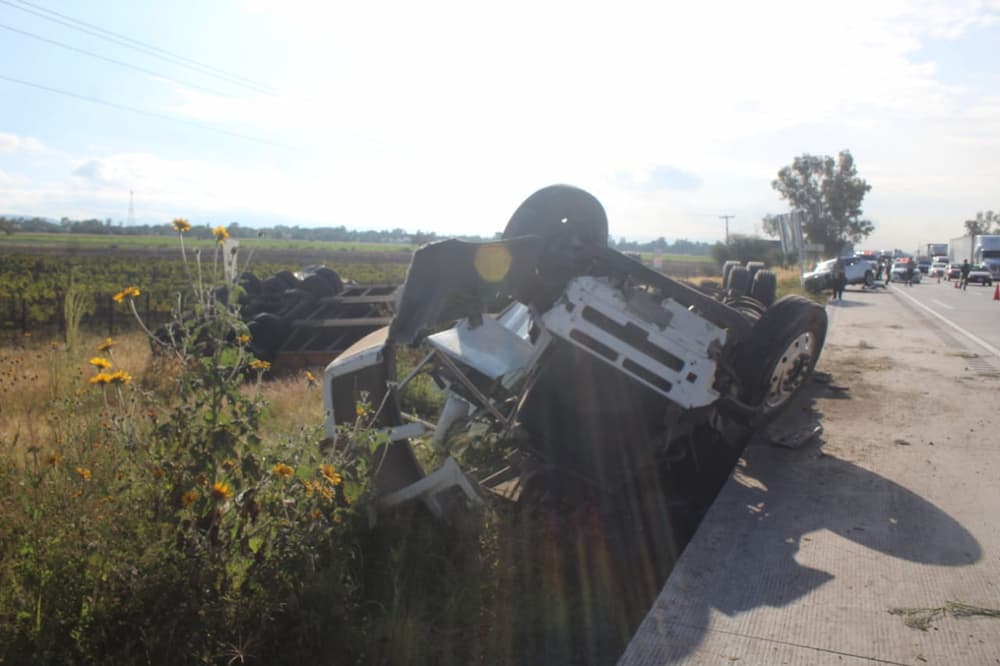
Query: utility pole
{"points": [[131, 208], [727, 218]]}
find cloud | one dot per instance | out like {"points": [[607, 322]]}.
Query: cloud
{"points": [[99, 173], [659, 178], [12, 143]]}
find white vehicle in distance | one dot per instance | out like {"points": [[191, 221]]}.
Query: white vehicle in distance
{"points": [[938, 269], [899, 269], [980, 274]]}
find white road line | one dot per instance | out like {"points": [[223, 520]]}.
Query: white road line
{"points": [[944, 305], [979, 341]]}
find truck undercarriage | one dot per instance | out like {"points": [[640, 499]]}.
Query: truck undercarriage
{"points": [[587, 364]]}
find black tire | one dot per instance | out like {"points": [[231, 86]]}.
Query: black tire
{"points": [[781, 353], [739, 281], [750, 306], [753, 267], [765, 287], [332, 277], [272, 287], [250, 283], [561, 211], [869, 279], [726, 267], [267, 333], [288, 279], [318, 286]]}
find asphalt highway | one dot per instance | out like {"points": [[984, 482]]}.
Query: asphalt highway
{"points": [[970, 314]]}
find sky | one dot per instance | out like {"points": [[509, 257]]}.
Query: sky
{"points": [[444, 116]]}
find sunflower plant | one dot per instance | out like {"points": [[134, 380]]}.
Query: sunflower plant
{"points": [[218, 535]]}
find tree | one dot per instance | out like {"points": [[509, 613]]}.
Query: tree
{"points": [[983, 223], [829, 192]]}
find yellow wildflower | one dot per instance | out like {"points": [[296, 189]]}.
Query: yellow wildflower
{"points": [[127, 292], [310, 488], [100, 363], [221, 491], [84, 473], [258, 364], [360, 409], [101, 378], [189, 498], [120, 377], [54, 459], [283, 471], [243, 339], [310, 379], [181, 225], [330, 473], [220, 233], [106, 345]]}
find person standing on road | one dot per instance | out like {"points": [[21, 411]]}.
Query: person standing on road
{"points": [[965, 273], [908, 274], [839, 281]]}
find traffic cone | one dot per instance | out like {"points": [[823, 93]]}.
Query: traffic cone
{"points": [[996, 293]]}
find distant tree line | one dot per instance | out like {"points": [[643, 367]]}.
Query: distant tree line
{"points": [[679, 246], [336, 234], [94, 226]]}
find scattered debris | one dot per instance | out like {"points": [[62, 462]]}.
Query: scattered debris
{"points": [[923, 618], [794, 439], [900, 442]]}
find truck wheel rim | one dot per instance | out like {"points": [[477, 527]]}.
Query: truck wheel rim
{"points": [[790, 371]]}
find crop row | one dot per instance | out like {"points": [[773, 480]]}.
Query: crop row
{"points": [[33, 286]]}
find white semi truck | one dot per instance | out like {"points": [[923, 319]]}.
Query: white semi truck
{"points": [[981, 249]]}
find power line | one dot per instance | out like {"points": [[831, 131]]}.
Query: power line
{"points": [[115, 62], [148, 49], [141, 112]]}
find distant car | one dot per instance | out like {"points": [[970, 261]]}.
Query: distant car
{"points": [[938, 269], [953, 272], [900, 268], [980, 274], [859, 270]]}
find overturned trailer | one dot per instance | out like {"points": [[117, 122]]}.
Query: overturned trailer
{"points": [[592, 364]]}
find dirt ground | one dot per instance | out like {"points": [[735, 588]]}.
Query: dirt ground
{"points": [[908, 381]]}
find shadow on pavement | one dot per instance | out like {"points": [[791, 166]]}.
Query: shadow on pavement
{"points": [[777, 497]]}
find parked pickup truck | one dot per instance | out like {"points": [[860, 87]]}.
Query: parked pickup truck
{"points": [[859, 270]]}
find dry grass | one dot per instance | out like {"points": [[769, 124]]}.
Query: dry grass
{"points": [[39, 379]]}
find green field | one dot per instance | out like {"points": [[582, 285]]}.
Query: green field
{"points": [[22, 241]]}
